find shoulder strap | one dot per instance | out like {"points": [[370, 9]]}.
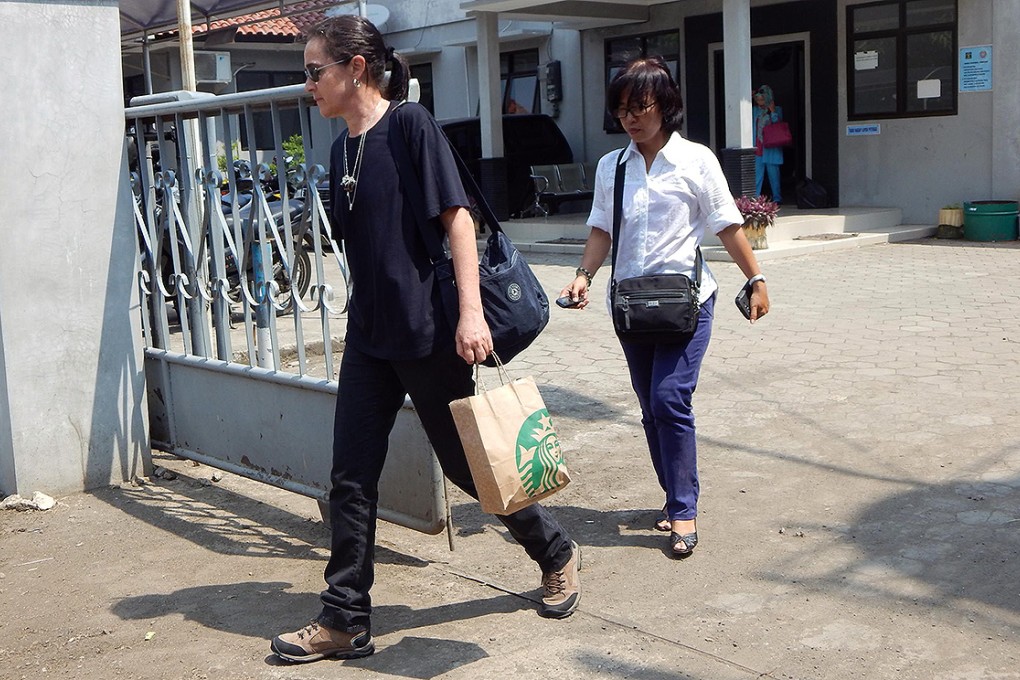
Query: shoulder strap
{"points": [[412, 187], [411, 184], [441, 264], [621, 171], [409, 176]]}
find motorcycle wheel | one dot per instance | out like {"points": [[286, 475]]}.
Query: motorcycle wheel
{"points": [[300, 278]]}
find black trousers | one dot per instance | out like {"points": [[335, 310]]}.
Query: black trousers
{"points": [[370, 395]]}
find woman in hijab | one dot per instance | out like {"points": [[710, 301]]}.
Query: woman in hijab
{"points": [[766, 160]]}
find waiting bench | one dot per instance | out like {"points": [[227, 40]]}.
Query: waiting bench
{"points": [[559, 183]]}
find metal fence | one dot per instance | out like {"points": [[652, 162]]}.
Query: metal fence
{"points": [[244, 295]]}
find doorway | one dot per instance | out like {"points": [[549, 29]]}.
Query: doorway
{"points": [[779, 64]]}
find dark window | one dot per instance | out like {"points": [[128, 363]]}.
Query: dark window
{"points": [[290, 121], [518, 72], [423, 72], [902, 59], [619, 51], [133, 87]]}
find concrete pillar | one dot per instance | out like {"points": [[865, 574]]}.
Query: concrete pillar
{"points": [[490, 108], [1005, 97], [565, 47], [492, 166], [72, 391], [737, 67]]}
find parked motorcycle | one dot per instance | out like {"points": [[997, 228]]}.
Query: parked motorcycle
{"points": [[287, 275], [298, 275]]}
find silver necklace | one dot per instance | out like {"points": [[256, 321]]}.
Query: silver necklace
{"points": [[349, 182]]}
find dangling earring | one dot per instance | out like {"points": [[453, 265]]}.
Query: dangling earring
{"points": [[357, 83]]}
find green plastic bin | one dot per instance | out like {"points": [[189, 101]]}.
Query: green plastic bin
{"points": [[990, 220]]}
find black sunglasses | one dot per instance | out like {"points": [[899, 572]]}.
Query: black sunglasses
{"points": [[313, 73]]}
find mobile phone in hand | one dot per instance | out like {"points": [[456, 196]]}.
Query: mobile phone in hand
{"points": [[743, 302], [567, 303]]}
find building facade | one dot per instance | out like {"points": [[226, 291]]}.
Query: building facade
{"points": [[912, 104]]}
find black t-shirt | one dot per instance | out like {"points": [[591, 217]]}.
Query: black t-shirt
{"points": [[395, 310]]}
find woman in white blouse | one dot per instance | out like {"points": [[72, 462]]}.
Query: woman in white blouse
{"points": [[674, 192]]}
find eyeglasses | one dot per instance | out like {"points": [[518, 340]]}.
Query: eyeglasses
{"points": [[636, 111], [313, 73]]}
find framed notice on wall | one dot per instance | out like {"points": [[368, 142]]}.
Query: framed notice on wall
{"points": [[976, 68]]}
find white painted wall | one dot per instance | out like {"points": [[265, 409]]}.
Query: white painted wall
{"points": [[414, 15], [72, 393], [922, 164]]}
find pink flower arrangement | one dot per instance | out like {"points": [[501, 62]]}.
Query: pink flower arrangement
{"points": [[758, 210]]}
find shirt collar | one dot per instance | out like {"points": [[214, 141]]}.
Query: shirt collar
{"points": [[671, 151]]}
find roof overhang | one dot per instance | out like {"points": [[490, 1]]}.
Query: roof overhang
{"points": [[579, 14], [505, 38]]}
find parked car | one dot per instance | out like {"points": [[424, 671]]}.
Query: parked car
{"points": [[528, 139]]}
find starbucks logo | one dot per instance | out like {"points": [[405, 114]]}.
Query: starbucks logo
{"points": [[538, 454], [513, 292]]}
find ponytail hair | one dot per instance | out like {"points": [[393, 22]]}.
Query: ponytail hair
{"points": [[399, 73]]}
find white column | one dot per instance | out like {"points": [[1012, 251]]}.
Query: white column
{"points": [[73, 412], [737, 68], [490, 111], [1005, 96], [187, 46]]}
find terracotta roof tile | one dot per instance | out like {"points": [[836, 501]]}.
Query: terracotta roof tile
{"points": [[300, 16]]}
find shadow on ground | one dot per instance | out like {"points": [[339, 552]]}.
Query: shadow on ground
{"points": [[589, 527], [953, 546], [226, 608]]}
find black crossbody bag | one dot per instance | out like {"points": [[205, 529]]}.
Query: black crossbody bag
{"points": [[656, 307]]}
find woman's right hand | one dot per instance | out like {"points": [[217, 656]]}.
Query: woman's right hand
{"points": [[577, 290]]}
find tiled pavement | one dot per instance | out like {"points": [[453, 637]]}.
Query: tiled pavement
{"points": [[860, 457], [860, 512]]}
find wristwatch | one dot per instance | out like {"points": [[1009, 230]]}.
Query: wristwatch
{"points": [[754, 279]]}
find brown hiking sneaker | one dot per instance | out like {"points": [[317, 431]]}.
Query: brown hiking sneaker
{"points": [[315, 641], [562, 589]]}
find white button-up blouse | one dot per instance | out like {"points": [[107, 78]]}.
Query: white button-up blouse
{"points": [[666, 210]]}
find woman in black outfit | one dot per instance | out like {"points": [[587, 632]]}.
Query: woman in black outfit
{"points": [[398, 341]]}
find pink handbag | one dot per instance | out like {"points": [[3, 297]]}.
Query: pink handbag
{"points": [[775, 135]]}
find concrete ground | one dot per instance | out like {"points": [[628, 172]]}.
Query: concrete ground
{"points": [[860, 513]]}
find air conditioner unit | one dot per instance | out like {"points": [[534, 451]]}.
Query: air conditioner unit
{"points": [[212, 67]]}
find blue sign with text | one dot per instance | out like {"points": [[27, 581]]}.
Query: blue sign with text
{"points": [[863, 130], [976, 68]]}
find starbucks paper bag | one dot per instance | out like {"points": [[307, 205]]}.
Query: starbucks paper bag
{"points": [[511, 446]]}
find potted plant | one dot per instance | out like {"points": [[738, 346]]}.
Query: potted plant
{"points": [[759, 214], [950, 221]]}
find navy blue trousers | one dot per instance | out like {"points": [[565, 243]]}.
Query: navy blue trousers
{"points": [[370, 395], [664, 377]]}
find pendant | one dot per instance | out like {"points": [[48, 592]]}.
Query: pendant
{"points": [[347, 183]]}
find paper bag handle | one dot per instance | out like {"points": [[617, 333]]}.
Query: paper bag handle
{"points": [[504, 377]]}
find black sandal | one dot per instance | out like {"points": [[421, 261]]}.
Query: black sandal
{"points": [[683, 545], [662, 519]]}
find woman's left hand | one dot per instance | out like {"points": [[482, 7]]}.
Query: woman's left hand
{"points": [[474, 341]]}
